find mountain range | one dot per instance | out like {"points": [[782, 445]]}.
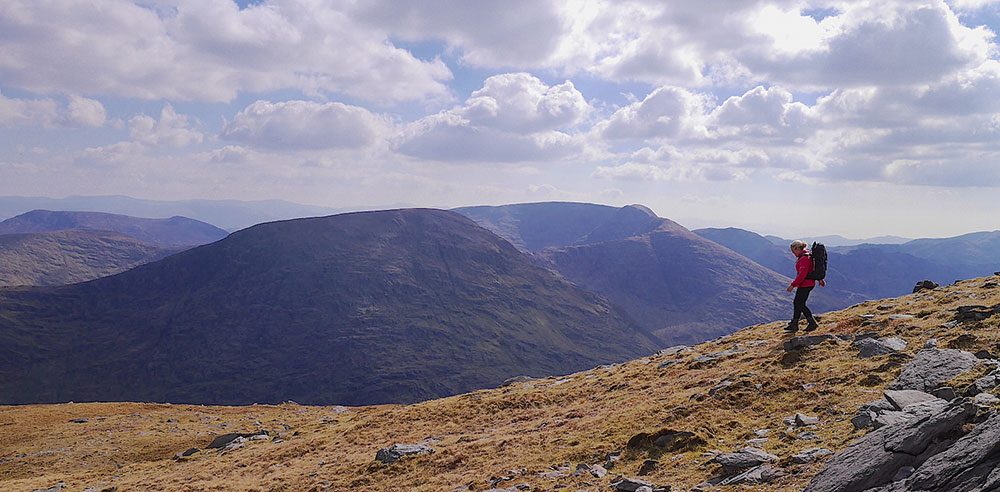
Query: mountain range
{"points": [[44, 247], [356, 308], [677, 284]]}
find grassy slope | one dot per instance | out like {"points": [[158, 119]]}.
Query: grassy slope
{"points": [[530, 425]]}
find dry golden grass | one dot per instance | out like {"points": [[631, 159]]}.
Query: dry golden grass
{"points": [[527, 427]]}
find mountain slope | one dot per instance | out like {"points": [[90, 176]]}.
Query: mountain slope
{"points": [[356, 308], [681, 286], [723, 393], [172, 232], [66, 257]]}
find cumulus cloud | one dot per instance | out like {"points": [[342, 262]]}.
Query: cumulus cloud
{"points": [[521, 103], [171, 129], [305, 125], [207, 50], [229, 154], [666, 112], [513, 118], [78, 112]]}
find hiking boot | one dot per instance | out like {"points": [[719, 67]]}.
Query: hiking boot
{"points": [[792, 327], [812, 325]]}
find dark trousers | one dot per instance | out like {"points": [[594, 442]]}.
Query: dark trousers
{"points": [[801, 296]]}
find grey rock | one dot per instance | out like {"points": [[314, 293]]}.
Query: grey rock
{"points": [[648, 467], [807, 436], [224, 440], [986, 399], [626, 484], [874, 460], [864, 419], [872, 347], [674, 350], [968, 464], [55, 488], [799, 343], [933, 367], [757, 443], [924, 285], [597, 471], [811, 455], [515, 380], [933, 342], [802, 420], [983, 384], [644, 489], [900, 399], [945, 393], [101, 488], [889, 418], [395, 452], [743, 459], [667, 363], [901, 316], [713, 357], [762, 432], [756, 475], [79, 421], [719, 387]]}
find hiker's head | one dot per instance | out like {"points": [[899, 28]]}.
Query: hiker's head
{"points": [[797, 247]]}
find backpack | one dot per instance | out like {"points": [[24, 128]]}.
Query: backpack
{"points": [[818, 255]]}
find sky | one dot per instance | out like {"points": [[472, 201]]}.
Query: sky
{"points": [[789, 117]]}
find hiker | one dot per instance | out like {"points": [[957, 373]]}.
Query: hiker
{"points": [[803, 285]]}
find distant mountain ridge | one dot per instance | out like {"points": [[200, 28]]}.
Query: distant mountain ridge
{"points": [[170, 232], [66, 257], [227, 214], [373, 307], [677, 284]]}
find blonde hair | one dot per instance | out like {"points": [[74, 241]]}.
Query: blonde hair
{"points": [[798, 244]]}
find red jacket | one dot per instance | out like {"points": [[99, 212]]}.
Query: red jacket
{"points": [[803, 266]]}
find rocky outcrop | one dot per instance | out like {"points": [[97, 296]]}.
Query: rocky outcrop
{"points": [[931, 368], [395, 452], [923, 431]]}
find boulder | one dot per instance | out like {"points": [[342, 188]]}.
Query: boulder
{"points": [[626, 484], [799, 343], [395, 452], [871, 347], [226, 439], [975, 313], [901, 399], [733, 463], [968, 464], [874, 460], [924, 285], [933, 367]]}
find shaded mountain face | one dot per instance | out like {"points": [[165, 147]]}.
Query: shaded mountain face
{"points": [[361, 308], [679, 285], [66, 257], [172, 232]]}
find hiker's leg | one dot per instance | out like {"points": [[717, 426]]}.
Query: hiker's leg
{"points": [[801, 294], [805, 309]]}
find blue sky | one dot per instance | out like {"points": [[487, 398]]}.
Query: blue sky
{"points": [[867, 118]]}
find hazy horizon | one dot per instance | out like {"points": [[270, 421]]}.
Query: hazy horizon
{"points": [[779, 116]]}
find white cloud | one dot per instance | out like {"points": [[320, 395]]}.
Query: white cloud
{"points": [[666, 112], [305, 125], [229, 154], [207, 50], [513, 118], [79, 112], [521, 103], [170, 129]]}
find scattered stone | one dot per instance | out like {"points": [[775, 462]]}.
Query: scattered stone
{"points": [[755, 475], [226, 439], [975, 313], [624, 484], [55, 488], [597, 471], [719, 387], [984, 355], [395, 452], [758, 442], [931, 343], [799, 343], [963, 341], [733, 463], [674, 350], [901, 399], [101, 488], [515, 380], [186, 453], [933, 367], [871, 347], [924, 285], [901, 316], [762, 432], [79, 421], [811, 455], [648, 467], [667, 363], [611, 459], [802, 420], [668, 440], [707, 359], [807, 436]]}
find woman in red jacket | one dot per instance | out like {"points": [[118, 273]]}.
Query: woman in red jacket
{"points": [[803, 286]]}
